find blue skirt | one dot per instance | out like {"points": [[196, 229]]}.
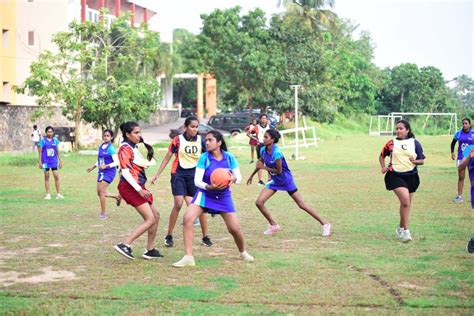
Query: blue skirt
{"points": [[214, 202]]}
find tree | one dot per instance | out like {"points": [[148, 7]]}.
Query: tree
{"points": [[103, 75], [464, 91], [239, 50], [316, 13]]}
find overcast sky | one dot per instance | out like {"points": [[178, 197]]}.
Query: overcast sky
{"points": [[426, 32]]}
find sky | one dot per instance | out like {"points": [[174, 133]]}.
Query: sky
{"points": [[436, 33]]}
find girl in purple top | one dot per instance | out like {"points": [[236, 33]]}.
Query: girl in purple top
{"points": [[49, 159], [211, 198], [272, 160], [465, 138], [107, 162]]}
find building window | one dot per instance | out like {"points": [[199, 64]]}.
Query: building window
{"points": [[5, 36], [6, 91], [31, 38]]}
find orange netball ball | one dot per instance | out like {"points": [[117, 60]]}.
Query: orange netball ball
{"points": [[221, 176]]}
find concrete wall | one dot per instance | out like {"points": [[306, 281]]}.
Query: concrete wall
{"points": [[16, 126], [161, 116]]}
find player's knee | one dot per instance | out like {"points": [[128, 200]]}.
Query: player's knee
{"points": [[259, 203]]}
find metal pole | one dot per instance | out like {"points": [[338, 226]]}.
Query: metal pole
{"points": [[296, 119]]}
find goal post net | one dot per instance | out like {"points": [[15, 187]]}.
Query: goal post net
{"points": [[425, 123]]}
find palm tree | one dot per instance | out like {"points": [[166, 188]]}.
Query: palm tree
{"points": [[316, 12]]}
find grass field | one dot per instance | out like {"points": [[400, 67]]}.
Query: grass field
{"points": [[56, 257]]}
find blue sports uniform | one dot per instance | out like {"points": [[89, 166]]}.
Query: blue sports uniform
{"points": [[465, 154], [279, 182], [215, 201], [105, 158], [49, 153], [465, 139]]}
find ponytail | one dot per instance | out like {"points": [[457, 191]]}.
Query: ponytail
{"points": [[128, 128], [149, 149]]}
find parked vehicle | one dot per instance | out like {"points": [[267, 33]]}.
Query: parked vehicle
{"points": [[203, 129], [233, 123], [187, 113]]}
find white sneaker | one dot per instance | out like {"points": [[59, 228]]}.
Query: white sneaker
{"points": [[47, 197], [272, 229], [326, 230], [187, 261], [458, 199], [246, 257], [406, 236], [197, 222], [59, 196], [399, 232]]}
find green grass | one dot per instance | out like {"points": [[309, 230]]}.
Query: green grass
{"points": [[361, 268]]}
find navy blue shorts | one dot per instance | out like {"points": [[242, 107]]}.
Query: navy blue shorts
{"points": [[182, 185]]}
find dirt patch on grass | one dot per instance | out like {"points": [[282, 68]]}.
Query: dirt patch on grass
{"points": [[47, 275], [55, 245], [410, 286]]}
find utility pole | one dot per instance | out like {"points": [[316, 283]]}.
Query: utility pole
{"points": [[296, 87]]}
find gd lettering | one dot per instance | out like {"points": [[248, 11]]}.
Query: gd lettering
{"points": [[190, 149]]}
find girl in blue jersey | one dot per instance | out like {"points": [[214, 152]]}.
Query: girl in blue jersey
{"points": [[468, 161], [49, 159], [211, 198], [272, 160], [465, 138], [107, 162]]}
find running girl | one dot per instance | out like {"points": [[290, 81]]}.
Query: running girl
{"points": [[132, 189], [186, 148], [49, 159], [273, 161], [465, 138], [213, 199], [107, 161], [401, 176]]}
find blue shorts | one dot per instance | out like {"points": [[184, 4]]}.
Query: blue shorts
{"points": [[52, 166], [107, 175], [182, 185], [214, 203]]}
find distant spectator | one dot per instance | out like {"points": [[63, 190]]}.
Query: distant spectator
{"points": [[35, 137], [252, 132]]}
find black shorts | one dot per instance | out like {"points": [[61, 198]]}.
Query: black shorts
{"points": [[290, 192], [182, 185], [394, 180], [259, 147]]}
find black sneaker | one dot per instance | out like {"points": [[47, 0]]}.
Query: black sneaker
{"points": [[206, 241], [169, 241], [470, 246], [125, 251], [152, 254]]}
